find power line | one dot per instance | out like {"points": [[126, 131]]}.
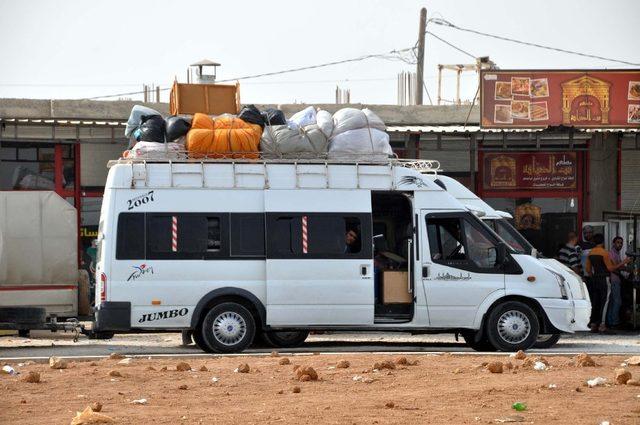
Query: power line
{"points": [[445, 23], [392, 55], [451, 45]]}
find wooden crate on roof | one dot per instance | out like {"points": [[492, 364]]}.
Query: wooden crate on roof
{"points": [[210, 99]]}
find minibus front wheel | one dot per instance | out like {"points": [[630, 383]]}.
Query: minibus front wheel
{"points": [[512, 326], [228, 328], [482, 345]]}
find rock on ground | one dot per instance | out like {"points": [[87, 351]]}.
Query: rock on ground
{"points": [[116, 356], [88, 416], [96, 407], [622, 376], [520, 355], [495, 367], [343, 364], [284, 361], [183, 367], [584, 360], [243, 368], [385, 364], [32, 377], [57, 363], [306, 373]]}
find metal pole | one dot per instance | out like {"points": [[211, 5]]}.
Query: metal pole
{"points": [[439, 84], [420, 65]]}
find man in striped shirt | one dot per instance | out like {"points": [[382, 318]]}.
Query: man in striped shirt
{"points": [[569, 254]]}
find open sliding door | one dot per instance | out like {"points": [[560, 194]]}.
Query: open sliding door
{"points": [[318, 273]]}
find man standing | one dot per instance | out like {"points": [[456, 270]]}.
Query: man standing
{"points": [[569, 255], [598, 267], [617, 257]]}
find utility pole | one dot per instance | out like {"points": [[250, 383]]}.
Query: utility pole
{"points": [[420, 66]]}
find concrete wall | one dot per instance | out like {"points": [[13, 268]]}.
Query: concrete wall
{"points": [[603, 162], [390, 114], [93, 161]]}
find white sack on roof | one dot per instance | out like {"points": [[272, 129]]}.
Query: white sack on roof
{"points": [[154, 150], [281, 141], [352, 119], [325, 122], [303, 118], [368, 142]]}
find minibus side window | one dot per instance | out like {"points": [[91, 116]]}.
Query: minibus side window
{"points": [[177, 236], [247, 235], [328, 235], [130, 242]]}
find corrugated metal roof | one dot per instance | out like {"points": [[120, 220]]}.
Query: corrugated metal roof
{"points": [[477, 129]]}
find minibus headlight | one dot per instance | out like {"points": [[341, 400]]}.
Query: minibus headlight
{"points": [[561, 284]]}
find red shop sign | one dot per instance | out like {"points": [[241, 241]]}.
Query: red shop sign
{"points": [[581, 98], [526, 171]]}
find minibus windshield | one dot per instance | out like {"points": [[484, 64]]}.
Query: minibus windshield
{"points": [[512, 237]]}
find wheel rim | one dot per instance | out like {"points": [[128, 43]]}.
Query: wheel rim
{"points": [[229, 328], [514, 326]]}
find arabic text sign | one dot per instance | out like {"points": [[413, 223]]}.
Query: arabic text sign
{"points": [[525, 171]]}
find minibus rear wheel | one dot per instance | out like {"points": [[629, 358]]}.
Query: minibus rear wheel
{"points": [[228, 328], [512, 326], [286, 339]]}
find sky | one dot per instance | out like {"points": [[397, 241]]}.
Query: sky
{"points": [[78, 49]]}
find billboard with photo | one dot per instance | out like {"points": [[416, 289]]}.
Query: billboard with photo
{"points": [[540, 98]]}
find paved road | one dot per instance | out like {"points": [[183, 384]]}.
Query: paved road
{"points": [[45, 344]]}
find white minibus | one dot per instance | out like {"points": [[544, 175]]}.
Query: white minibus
{"points": [[229, 248]]}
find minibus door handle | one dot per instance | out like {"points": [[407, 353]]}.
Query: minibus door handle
{"points": [[425, 272]]}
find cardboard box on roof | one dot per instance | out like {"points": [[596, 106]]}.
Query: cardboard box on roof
{"points": [[210, 99]]}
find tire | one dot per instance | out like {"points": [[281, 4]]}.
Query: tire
{"points": [[23, 315], [512, 326], [24, 333], [546, 341], [199, 340], [101, 335], [482, 345], [286, 339], [228, 328], [187, 338]]}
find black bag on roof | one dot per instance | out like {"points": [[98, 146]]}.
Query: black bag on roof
{"points": [[274, 116], [252, 115], [177, 127], [152, 128]]}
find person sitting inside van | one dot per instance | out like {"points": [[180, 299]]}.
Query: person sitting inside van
{"points": [[352, 245], [598, 267]]}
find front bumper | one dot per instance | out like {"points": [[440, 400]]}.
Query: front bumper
{"points": [[567, 315]]}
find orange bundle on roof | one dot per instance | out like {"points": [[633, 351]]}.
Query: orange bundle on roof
{"points": [[224, 136]]}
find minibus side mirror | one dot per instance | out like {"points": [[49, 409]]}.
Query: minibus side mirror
{"points": [[501, 253]]}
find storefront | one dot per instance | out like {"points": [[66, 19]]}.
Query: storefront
{"points": [[543, 191]]}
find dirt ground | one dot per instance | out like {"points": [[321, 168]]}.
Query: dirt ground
{"points": [[440, 389]]}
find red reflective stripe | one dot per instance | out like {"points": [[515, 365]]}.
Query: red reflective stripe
{"points": [[304, 235], [174, 233], [37, 288]]}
